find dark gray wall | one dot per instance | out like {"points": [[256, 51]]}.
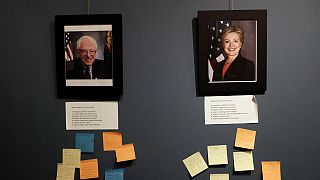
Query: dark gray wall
{"points": [[159, 111]]}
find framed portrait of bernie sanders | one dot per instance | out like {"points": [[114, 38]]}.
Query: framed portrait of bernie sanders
{"points": [[231, 52], [89, 56]]}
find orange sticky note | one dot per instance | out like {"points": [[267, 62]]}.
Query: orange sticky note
{"points": [[89, 169], [271, 170], [125, 153], [111, 140], [245, 138]]}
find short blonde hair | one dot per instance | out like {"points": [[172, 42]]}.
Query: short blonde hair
{"points": [[231, 29]]}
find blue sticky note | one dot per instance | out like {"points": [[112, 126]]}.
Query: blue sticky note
{"points": [[85, 142], [114, 174]]}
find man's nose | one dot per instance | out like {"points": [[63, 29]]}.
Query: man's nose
{"points": [[88, 53]]}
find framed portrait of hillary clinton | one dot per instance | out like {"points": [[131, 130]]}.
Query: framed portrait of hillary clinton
{"points": [[231, 52], [89, 56]]}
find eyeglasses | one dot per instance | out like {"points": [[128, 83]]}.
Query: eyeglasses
{"points": [[85, 51]]}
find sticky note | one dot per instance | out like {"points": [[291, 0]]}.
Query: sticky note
{"points": [[111, 140], [85, 142], [245, 138], [195, 164], [65, 172], [125, 153], [71, 157], [243, 161], [217, 155], [219, 176], [89, 169], [271, 170], [114, 174]]}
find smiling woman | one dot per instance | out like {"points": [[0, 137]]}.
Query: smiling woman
{"points": [[231, 52], [234, 67]]}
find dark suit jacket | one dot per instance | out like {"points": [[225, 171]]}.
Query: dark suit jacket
{"points": [[99, 70], [241, 69]]}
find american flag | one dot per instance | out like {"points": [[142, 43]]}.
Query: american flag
{"points": [[215, 53], [67, 47], [215, 30]]}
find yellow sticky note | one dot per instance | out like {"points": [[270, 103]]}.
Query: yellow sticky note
{"points": [[125, 153], [111, 140], [271, 170], [217, 155], [65, 172], [89, 169], [219, 176], [195, 164], [243, 161], [71, 157], [245, 138]]}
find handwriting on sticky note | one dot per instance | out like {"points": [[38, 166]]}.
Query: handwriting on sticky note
{"points": [[219, 176], [85, 142], [114, 174], [65, 172], [71, 157], [217, 155], [271, 170], [245, 138], [195, 164], [89, 169], [125, 153], [243, 161], [111, 140]]}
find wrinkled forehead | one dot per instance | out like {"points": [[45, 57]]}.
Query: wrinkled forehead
{"points": [[88, 44]]}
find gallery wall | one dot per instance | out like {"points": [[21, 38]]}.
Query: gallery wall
{"points": [[159, 111]]}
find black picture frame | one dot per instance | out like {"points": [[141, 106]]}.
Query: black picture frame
{"points": [[108, 84], [208, 26]]}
